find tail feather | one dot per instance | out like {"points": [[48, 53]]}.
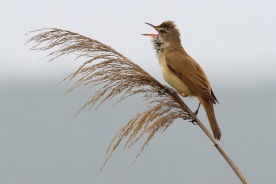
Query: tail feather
{"points": [[209, 108]]}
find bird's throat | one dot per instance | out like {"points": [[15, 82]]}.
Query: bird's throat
{"points": [[158, 44]]}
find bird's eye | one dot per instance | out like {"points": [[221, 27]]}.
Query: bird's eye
{"points": [[162, 31]]}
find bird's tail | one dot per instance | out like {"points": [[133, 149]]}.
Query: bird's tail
{"points": [[209, 108]]}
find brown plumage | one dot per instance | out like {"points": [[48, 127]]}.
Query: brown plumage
{"points": [[182, 72]]}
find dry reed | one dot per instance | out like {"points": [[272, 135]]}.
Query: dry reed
{"points": [[117, 75]]}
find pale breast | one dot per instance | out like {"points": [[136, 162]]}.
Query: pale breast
{"points": [[173, 80]]}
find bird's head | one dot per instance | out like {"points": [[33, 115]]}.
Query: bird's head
{"points": [[167, 31]]}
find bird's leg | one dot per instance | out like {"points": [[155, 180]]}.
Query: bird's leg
{"points": [[163, 91], [195, 114]]}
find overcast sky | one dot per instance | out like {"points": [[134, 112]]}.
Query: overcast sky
{"points": [[223, 36], [234, 41]]}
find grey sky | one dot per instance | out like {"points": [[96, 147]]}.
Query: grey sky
{"points": [[234, 42]]}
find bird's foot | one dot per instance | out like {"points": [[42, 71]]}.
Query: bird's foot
{"points": [[165, 90], [193, 121], [172, 90]]}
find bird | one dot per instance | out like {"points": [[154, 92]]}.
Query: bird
{"points": [[182, 72]]}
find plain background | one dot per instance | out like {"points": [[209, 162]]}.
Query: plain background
{"points": [[234, 42]]}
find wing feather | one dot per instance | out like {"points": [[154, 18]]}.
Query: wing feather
{"points": [[189, 71]]}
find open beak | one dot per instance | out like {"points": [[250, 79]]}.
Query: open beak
{"points": [[151, 26], [151, 35]]}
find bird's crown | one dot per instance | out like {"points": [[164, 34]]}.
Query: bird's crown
{"points": [[169, 25]]}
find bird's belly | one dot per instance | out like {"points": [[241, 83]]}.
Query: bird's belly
{"points": [[175, 82]]}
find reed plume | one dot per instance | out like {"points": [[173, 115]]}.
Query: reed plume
{"points": [[116, 75]]}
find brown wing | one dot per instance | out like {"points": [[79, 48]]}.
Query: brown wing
{"points": [[189, 71]]}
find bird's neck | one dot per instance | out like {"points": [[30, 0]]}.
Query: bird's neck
{"points": [[159, 45]]}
